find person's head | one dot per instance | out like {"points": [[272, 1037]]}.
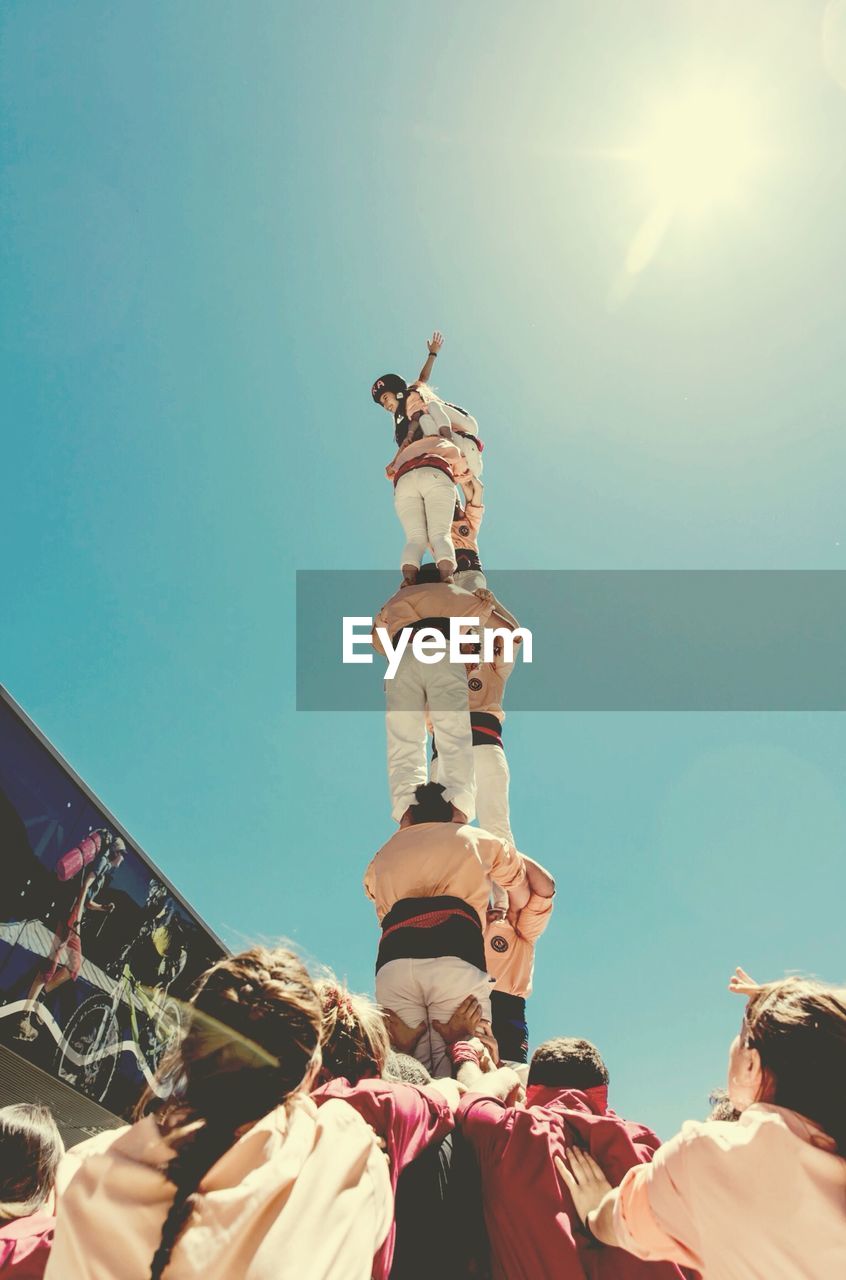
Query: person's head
{"points": [[252, 1043], [428, 572], [354, 1038], [401, 1066], [567, 1063], [791, 1051], [30, 1150], [430, 805], [388, 391]]}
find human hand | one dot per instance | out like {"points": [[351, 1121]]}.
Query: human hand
{"points": [[435, 343], [483, 594], [486, 1062], [488, 1039], [403, 1037], [742, 984], [584, 1180], [463, 1023]]}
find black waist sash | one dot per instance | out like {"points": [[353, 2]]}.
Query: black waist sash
{"points": [[437, 624], [423, 928], [485, 728]]}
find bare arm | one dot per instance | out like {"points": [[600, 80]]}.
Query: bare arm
{"points": [[434, 344]]}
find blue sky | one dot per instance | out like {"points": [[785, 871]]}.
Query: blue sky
{"points": [[220, 223]]}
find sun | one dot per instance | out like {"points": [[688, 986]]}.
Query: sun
{"points": [[701, 150]]}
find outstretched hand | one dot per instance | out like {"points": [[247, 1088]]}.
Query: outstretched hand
{"points": [[435, 342], [403, 1037], [584, 1180], [743, 984], [463, 1023]]}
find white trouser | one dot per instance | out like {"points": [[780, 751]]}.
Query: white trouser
{"points": [[470, 579], [468, 447], [420, 990], [425, 503], [492, 781], [442, 686]]}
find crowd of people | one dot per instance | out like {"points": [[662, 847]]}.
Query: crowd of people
{"points": [[299, 1131], [296, 1140]]}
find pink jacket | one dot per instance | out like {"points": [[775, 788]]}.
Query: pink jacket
{"points": [[762, 1198], [303, 1193], [437, 451]]}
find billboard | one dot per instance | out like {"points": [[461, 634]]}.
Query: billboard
{"points": [[97, 949]]}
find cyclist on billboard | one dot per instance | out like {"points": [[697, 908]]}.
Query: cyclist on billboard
{"points": [[97, 857], [162, 926]]}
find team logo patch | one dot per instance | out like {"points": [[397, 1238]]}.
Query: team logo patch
{"points": [[498, 943], [464, 530], [475, 684]]}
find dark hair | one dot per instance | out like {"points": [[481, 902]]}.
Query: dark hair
{"points": [[428, 572], [567, 1063], [30, 1150], [430, 805], [799, 1030], [401, 1066], [722, 1107], [254, 1030], [354, 1039]]}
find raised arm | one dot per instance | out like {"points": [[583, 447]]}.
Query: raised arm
{"points": [[434, 344]]}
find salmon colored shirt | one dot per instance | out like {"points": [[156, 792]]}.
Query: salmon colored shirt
{"points": [[441, 859], [429, 600], [510, 945], [465, 528], [486, 686], [761, 1198], [431, 447], [302, 1194]]}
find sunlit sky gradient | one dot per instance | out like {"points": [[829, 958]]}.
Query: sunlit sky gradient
{"points": [[220, 222]]}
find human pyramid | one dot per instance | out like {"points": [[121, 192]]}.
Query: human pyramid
{"points": [[460, 909]]}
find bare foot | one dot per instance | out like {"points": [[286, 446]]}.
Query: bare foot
{"points": [[458, 816], [446, 569], [409, 575]]}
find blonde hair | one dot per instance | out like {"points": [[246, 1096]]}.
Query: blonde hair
{"points": [[354, 1039]]}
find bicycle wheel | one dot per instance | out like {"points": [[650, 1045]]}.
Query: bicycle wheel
{"points": [[87, 1056], [163, 1032]]}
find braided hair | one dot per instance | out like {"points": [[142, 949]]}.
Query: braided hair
{"points": [[254, 1031]]}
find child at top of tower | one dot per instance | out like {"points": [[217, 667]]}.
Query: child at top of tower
{"points": [[417, 411]]}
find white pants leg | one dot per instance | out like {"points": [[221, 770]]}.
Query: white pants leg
{"points": [[471, 580], [424, 501], [408, 504], [420, 990], [468, 447], [492, 810], [405, 725], [492, 781], [446, 689]]}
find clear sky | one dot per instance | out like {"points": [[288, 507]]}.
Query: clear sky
{"points": [[220, 223]]}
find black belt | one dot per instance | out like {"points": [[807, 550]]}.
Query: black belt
{"points": [[467, 559], [437, 624], [485, 728], [406, 935]]}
